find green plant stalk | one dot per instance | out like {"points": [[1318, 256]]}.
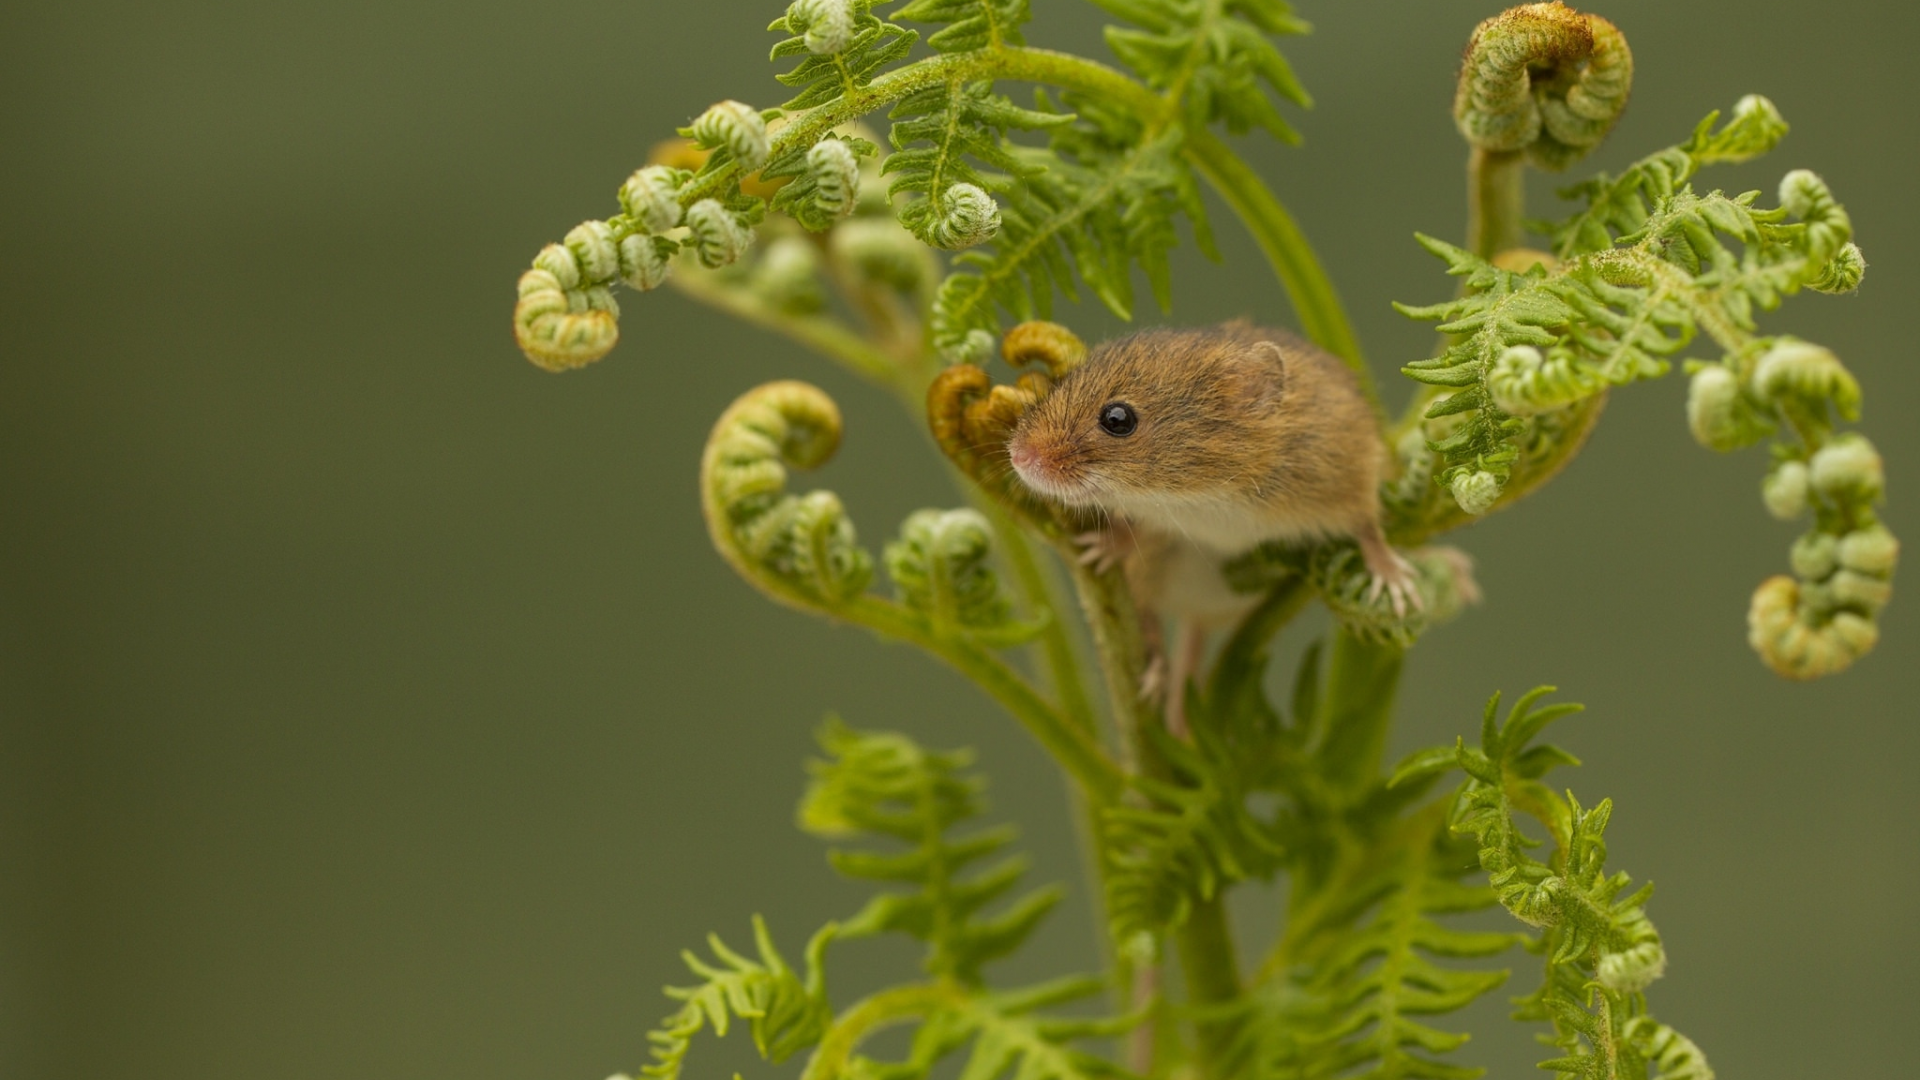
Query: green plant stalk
{"points": [[1362, 680], [1208, 958], [1055, 650], [821, 333], [1072, 746], [1114, 625], [1259, 626], [1212, 971], [1496, 201], [1322, 317]]}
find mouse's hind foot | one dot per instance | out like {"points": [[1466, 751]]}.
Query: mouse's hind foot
{"points": [[1393, 575]]}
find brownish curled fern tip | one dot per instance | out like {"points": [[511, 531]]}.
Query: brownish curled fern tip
{"points": [[1048, 344], [972, 417], [1545, 80]]}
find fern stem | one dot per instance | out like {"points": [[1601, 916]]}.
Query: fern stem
{"points": [[1055, 646], [1322, 317], [822, 334], [1246, 649], [1061, 659], [1114, 625], [1073, 747], [1496, 201], [884, 1009], [1362, 680], [1212, 971]]}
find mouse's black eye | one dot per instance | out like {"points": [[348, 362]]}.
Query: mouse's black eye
{"points": [[1117, 419]]}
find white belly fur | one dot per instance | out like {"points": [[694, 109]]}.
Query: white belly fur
{"points": [[1226, 527], [1190, 586]]}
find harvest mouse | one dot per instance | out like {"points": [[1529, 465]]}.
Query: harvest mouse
{"points": [[1202, 443]]}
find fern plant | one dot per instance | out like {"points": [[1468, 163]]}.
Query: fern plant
{"points": [[910, 212]]}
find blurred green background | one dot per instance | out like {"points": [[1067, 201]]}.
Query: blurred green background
{"points": [[373, 705]]}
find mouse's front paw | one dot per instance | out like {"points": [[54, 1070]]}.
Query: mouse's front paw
{"points": [[1103, 549]]}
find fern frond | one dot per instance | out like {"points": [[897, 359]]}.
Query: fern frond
{"points": [[884, 784], [845, 46], [1647, 266], [969, 24], [784, 1012], [938, 134], [1002, 1034], [1620, 206], [942, 567], [1361, 962], [1218, 59], [1187, 839], [1100, 200], [1601, 950], [1011, 1040]]}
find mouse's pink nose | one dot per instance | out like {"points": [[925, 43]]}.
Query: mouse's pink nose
{"points": [[1022, 456]]}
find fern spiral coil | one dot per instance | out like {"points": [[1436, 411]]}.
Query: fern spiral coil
{"points": [[736, 127], [799, 548], [1545, 80]]}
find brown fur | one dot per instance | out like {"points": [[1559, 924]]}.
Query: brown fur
{"points": [[1244, 434], [1251, 419]]}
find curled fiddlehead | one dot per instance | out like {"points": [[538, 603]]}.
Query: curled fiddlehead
{"points": [[1823, 619], [971, 418], [942, 567], [828, 181], [735, 127], [799, 549], [566, 316], [1545, 80], [559, 327]]}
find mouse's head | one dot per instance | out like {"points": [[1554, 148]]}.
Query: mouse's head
{"points": [[1159, 412]]}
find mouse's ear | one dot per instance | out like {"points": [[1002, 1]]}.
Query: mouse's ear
{"points": [[1261, 371]]}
